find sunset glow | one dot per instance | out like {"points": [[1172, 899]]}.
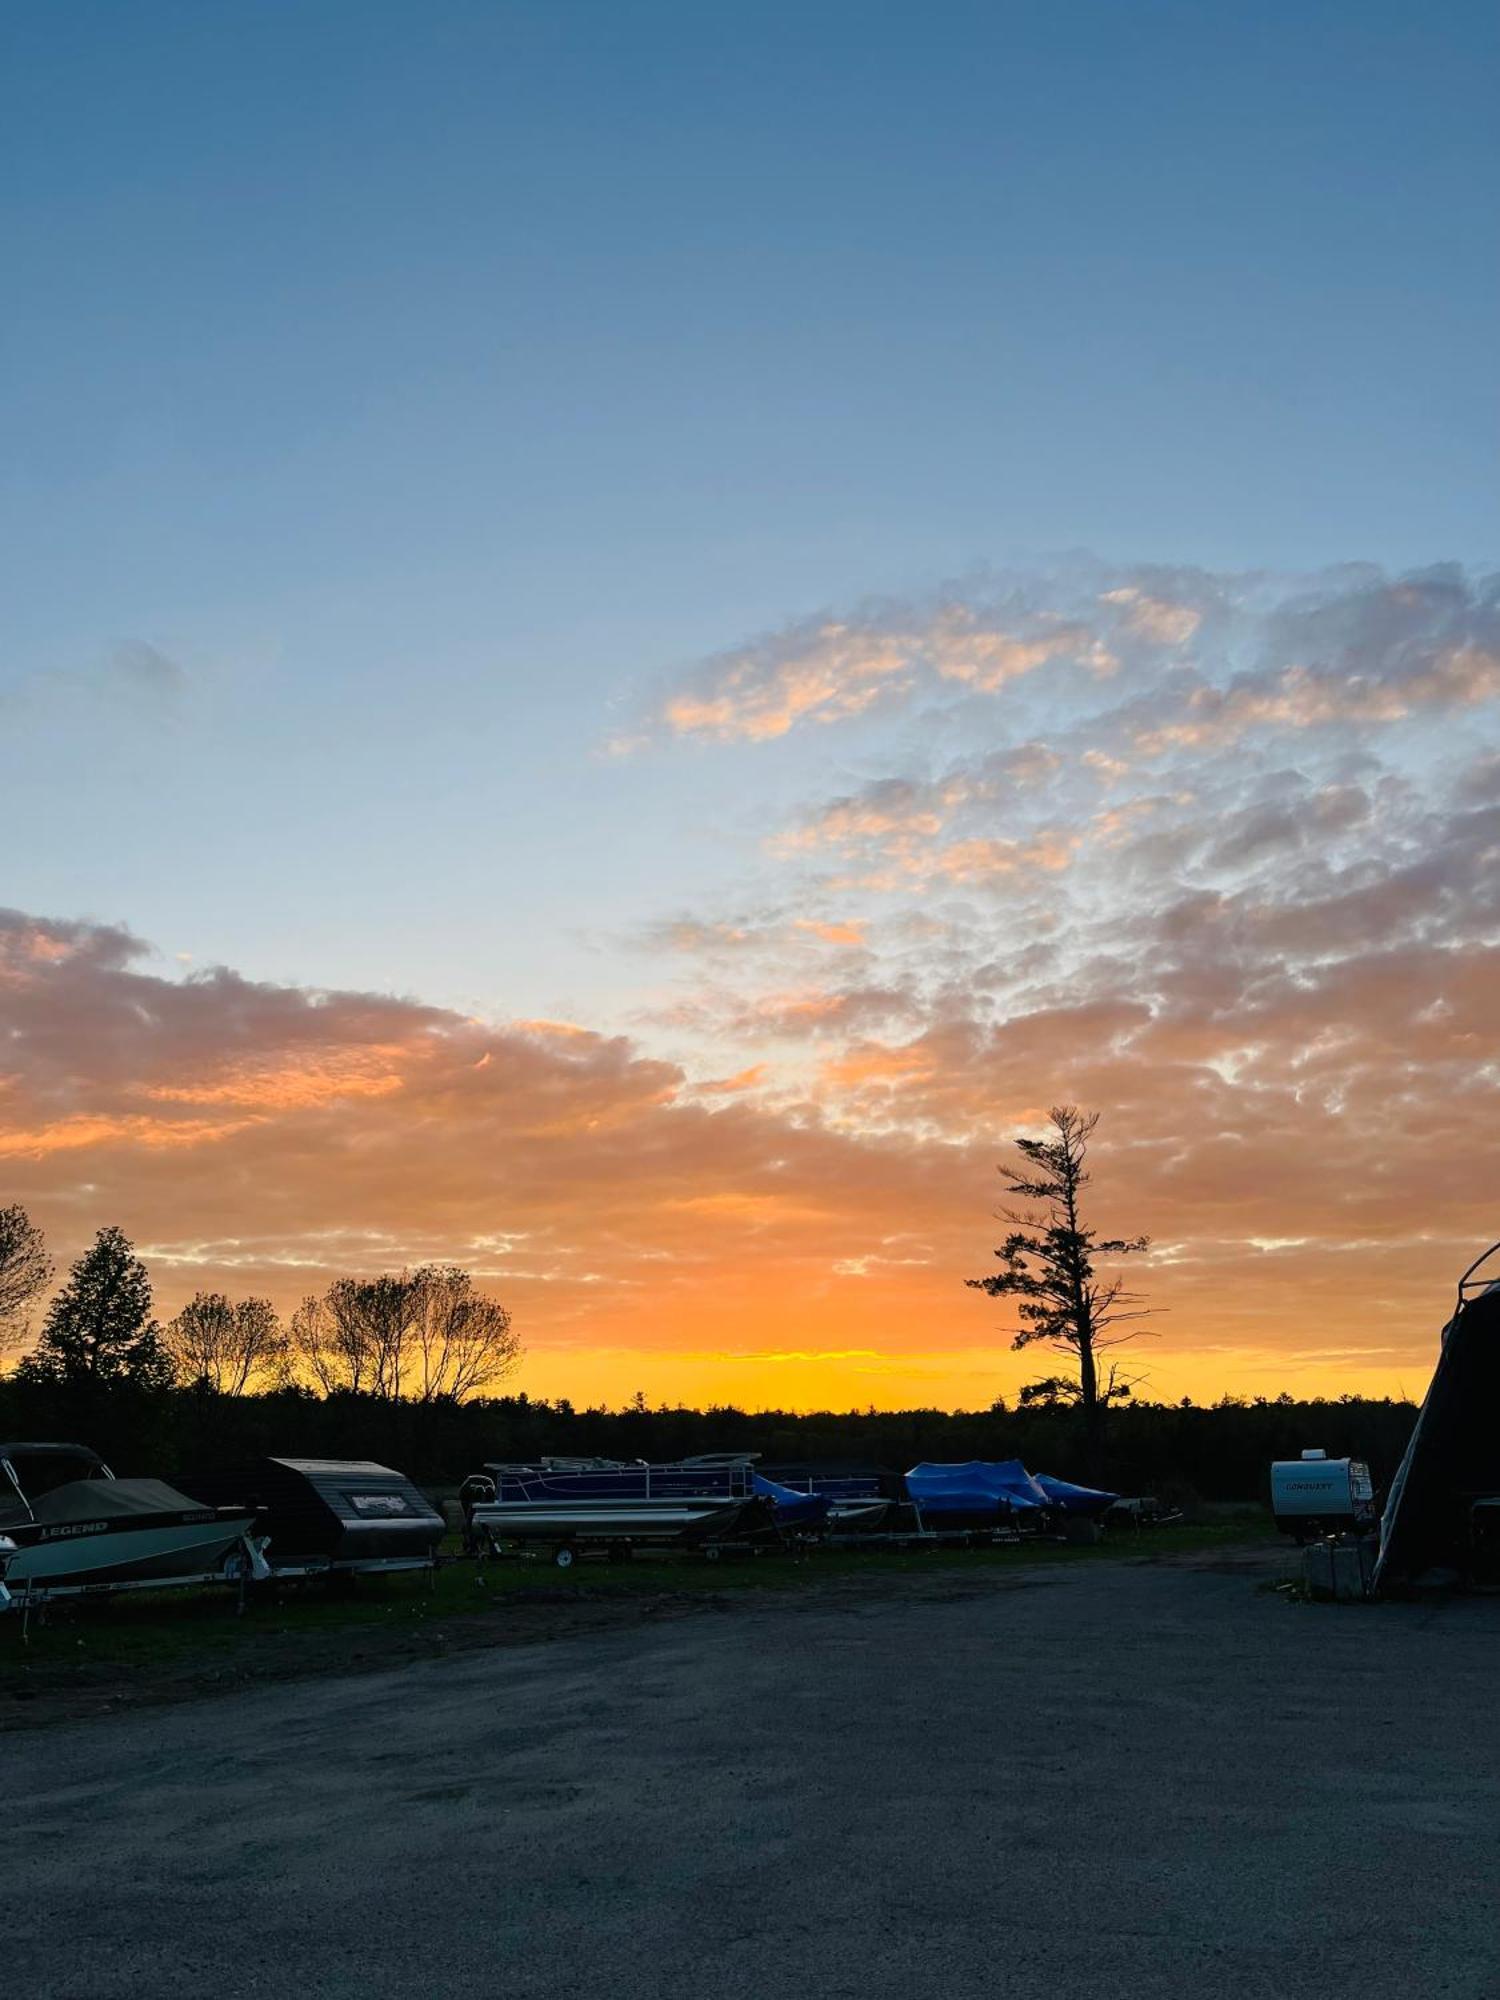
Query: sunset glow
{"points": [[1239, 895]]}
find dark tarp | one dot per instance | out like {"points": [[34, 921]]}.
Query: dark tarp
{"points": [[1074, 1499], [111, 1499], [1453, 1458]]}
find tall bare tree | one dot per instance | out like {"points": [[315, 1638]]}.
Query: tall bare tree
{"points": [[419, 1334], [463, 1341], [226, 1345], [25, 1271], [330, 1337], [1047, 1262]]}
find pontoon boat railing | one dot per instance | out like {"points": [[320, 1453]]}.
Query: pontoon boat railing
{"points": [[663, 1480]]}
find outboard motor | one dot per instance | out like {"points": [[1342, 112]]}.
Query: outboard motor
{"points": [[477, 1488]]}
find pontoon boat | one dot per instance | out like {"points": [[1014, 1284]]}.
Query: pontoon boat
{"points": [[579, 1502]]}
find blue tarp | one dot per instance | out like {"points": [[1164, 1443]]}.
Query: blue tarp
{"points": [[793, 1509], [982, 1490], [1074, 1499]]}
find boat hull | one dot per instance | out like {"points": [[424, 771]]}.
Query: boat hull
{"points": [[131, 1550], [672, 1518]]}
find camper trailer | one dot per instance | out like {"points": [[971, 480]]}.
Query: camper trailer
{"points": [[1319, 1495]]}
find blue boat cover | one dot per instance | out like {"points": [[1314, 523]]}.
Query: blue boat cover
{"points": [[1075, 1499], [981, 1487], [793, 1509]]}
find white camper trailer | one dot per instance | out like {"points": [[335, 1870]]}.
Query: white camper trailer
{"points": [[1319, 1495]]}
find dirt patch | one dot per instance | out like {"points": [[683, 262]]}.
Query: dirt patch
{"points": [[47, 1688], [35, 1694], [111, 1657]]}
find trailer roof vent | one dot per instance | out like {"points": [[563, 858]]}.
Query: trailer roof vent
{"points": [[1315, 1453]]}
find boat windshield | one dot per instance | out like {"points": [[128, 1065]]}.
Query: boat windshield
{"points": [[27, 1474], [13, 1507]]}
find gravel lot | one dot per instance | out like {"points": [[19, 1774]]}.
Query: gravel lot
{"points": [[1109, 1779]]}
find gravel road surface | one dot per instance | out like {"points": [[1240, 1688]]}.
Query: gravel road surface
{"points": [[1099, 1780]]}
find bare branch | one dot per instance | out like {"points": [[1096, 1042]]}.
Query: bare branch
{"points": [[226, 1346]]}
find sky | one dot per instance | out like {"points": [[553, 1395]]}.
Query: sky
{"points": [[632, 634]]}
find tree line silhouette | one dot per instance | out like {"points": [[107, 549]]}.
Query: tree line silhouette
{"points": [[404, 1367], [401, 1368]]}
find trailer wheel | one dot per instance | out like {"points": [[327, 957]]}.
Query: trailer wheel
{"points": [[565, 1557]]}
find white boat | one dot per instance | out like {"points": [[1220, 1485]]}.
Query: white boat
{"points": [[76, 1528], [857, 1516], [574, 1503]]}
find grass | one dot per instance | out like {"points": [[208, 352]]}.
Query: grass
{"points": [[820, 1565], [199, 1637]]}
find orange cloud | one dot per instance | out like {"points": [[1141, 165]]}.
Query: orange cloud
{"points": [[322, 1080], [1300, 697], [828, 670], [1154, 617], [1283, 995], [731, 1086], [828, 673], [86, 1133], [842, 934]]}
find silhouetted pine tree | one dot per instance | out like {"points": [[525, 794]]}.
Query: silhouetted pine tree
{"points": [[1047, 1262]]}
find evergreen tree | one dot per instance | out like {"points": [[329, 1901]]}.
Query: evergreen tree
{"points": [[99, 1333], [1047, 1262]]}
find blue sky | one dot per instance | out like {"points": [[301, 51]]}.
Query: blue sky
{"points": [[427, 384]]}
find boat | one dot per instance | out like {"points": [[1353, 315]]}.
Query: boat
{"points": [[856, 1504], [322, 1515], [77, 1528], [1092, 1502], [789, 1511], [577, 1503], [800, 1515], [977, 1494]]}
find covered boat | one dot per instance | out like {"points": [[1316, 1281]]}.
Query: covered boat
{"points": [[76, 1527], [859, 1500], [341, 1514], [793, 1512], [980, 1493], [1090, 1501]]}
